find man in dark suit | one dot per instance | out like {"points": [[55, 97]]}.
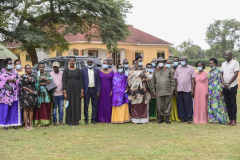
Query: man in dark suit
{"points": [[91, 87]]}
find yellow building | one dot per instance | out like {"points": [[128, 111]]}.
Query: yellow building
{"points": [[139, 43]]}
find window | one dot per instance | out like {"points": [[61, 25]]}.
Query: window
{"points": [[18, 55], [48, 64], [75, 52], [61, 64], [138, 53], [58, 54], [161, 54], [116, 58], [93, 53], [28, 58]]}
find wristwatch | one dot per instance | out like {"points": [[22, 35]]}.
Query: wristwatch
{"points": [[227, 84]]}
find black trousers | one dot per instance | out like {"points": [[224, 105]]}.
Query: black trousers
{"points": [[231, 102], [93, 95], [185, 106]]}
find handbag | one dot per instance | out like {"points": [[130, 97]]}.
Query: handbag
{"points": [[51, 86], [8, 87]]}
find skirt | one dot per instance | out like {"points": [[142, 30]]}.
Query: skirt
{"points": [[152, 108], [43, 115], [10, 115], [174, 113], [140, 113], [120, 114]]}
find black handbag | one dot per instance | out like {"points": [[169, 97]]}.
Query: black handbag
{"points": [[51, 86], [8, 87]]}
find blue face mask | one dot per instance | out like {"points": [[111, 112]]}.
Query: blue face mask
{"points": [[120, 70], [175, 64], [213, 67], [140, 63], [153, 64], [111, 65], [9, 67], [150, 70], [199, 68], [183, 63], [105, 66], [168, 65], [19, 66], [90, 66], [126, 65]]}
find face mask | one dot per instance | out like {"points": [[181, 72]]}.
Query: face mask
{"points": [[199, 68], [18, 66], [213, 67], [120, 70], [150, 70], [111, 65], [153, 64], [90, 66], [67, 103], [168, 65], [105, 66], [175, 64], [183, 63], [9, 67], [140, 63], [160, 64], [126, 65]]}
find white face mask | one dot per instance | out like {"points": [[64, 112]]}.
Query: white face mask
{"points": [[160, 64]]}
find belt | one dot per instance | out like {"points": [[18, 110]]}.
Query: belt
{"points": [[91, 87]]}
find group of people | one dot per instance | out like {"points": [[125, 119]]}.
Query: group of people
{"points": [[170, 91]]}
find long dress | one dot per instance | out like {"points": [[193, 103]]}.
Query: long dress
{"points": [[43, 112], [72, 83], [10, 113], [105, 101], [174, 113], [139, 95], [217, 111], [200, 100], [120, 110]]}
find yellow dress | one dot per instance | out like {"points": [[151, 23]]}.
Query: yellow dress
{"points": [[174, 114], [120, 114]]}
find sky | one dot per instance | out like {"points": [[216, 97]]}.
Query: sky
{"points": [[176, 21]]}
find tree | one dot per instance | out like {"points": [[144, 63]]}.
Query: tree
{"points": [[192, 52], [184, 45], [175, 51], [222, 35], [44, 23]]}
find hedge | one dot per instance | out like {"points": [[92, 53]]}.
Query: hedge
{"points": [[206, 61]]}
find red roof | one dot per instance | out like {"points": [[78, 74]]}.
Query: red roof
{"points": [[137, 37]]}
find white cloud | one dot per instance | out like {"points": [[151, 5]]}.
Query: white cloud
{"points": [[178, 20]]}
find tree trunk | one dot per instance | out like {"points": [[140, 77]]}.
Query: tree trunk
{"points": [[33, 54]]}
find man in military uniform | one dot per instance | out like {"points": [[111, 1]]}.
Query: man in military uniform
{"points": [[162, 86]]}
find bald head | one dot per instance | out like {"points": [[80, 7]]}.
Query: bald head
{"points": [[110, 60], [228, 56]]}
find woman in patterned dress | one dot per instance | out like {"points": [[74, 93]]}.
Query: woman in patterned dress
{"points": [[28, 98], [217, 111]]}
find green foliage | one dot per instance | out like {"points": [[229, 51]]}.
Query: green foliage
{"points": [[44, 23]]}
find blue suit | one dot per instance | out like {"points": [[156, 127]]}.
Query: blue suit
{"points": [[90, 92]]}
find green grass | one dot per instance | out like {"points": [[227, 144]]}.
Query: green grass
{"points": [[123, 141]]}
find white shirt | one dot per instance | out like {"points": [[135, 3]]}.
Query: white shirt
{"points": [[91, 78], [228, 69]]}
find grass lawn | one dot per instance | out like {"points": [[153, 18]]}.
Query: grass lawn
{"points": [[123, 141]]}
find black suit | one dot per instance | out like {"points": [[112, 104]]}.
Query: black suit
{"points": [[90, 92]]}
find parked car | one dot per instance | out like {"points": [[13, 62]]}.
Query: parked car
{"points": [[81, 62]]}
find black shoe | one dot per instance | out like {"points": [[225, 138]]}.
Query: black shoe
{"points": [[189, 122], [94, 122], [161, 119], [167, 120], [183, 120], [6, 128], [86, 123], [15, 127]]}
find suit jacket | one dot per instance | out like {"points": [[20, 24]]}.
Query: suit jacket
{"points": [[85, 79]]}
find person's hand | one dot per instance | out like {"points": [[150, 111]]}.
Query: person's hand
{"points": [[171, 94], [31, 91], [82, 95], [225, 86], [176, 92], [192, 94], [153, 95], [98, 94], [206, 95], [144, 80], [43, 84], [220, 94], [65, 96], [111, 94]]}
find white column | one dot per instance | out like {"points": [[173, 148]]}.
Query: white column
{"points": [[122, 55]]}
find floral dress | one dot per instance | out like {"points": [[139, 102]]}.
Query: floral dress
{"points": [[27, 99], [217, 111]]}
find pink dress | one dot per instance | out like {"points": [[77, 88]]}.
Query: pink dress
{"points": [[200, 101]]}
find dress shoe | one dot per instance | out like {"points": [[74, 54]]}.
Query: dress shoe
{"points": [[229, 123], [234, 123], [61, 123], [167, 120], [55, 124], [161, 119], [184, 120], [6, 128], [189, 122], [94, 122], [15, 127], [86, 123]]}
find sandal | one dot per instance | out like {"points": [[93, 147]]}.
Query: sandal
{"points": [[26, 128], [31, 128]]}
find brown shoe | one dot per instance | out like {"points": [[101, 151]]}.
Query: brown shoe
{"points": [[61, 123], [234, 123], [55, 124], [230, 122]]}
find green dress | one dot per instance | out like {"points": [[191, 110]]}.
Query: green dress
{"points": [[217, 111]]}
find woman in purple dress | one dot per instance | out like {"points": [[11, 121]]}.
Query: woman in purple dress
{"points": [[10, 113], [105, 100]]}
